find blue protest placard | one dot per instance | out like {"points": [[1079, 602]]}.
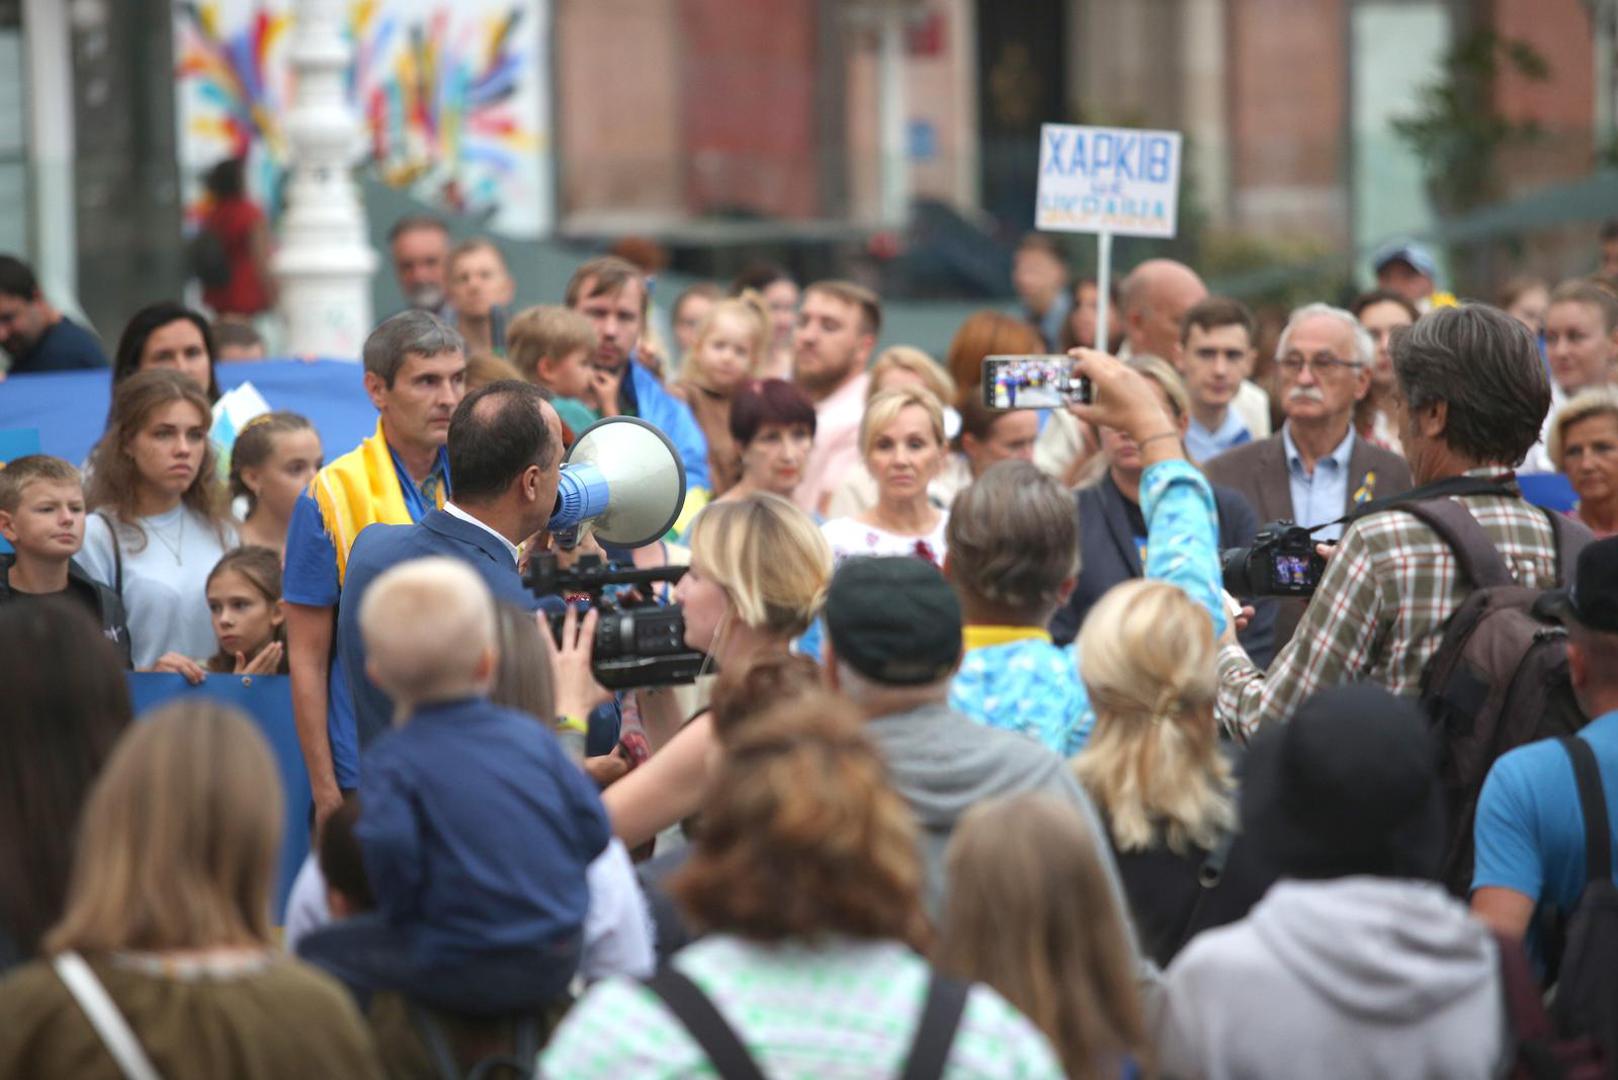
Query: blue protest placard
{"points": [[1121, 181], [267, 701]]}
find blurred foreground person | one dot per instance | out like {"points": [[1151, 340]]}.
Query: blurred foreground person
{"points": [[167, 933]]}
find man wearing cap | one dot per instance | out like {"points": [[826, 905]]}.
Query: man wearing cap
{"points": [[1473, 396], [1530, 831], [894, 639], [1356, 962], [1407, 269]]}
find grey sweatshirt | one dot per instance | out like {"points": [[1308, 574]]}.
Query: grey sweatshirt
{"points": [[944, 763], [1357, 977]]}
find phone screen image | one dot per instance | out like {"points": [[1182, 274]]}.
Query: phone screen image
{"points": [[1032, 382]]}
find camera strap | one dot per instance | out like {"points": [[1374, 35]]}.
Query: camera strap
{"points": [[1449, 487]]}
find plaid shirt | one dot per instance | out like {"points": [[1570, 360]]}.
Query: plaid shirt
{"points": [[1379, 613]]}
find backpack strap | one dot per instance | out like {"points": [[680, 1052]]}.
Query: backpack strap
{"points": [[1571, 538], [1593, 805], [935, 1034], [1480, 561], [104, 1016], [702, 1019]]}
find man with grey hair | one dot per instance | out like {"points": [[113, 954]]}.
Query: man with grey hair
{"points": [[1316, 469], [415, 374], [1473, 395]]}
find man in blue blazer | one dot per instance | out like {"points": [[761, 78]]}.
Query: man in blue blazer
{"points": [[505, 454]]}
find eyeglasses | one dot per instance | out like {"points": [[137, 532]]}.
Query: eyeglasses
{"points": [[1324, 364]]}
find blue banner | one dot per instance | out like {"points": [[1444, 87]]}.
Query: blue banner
{"points": [[68, 409], [16, 443], [1550, 490], [267, 701]]}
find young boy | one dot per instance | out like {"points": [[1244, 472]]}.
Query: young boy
{"points": [[480, 287], [42, 517], [475, 829], [1216, 353], [552, 347]]}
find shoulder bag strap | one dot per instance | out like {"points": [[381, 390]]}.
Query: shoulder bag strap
{"points": [[117, 557], [104, 1016], [1527, 1023], [718, 1039], [1593, 805], [1479, 560], [935, 1034]]}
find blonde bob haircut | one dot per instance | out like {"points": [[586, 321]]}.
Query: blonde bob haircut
{"points": [[1585, 405], [769, 557], [1163, 374], [1031, 913], [912, 361], [179, 839], [1152, 763], [884, 409]]}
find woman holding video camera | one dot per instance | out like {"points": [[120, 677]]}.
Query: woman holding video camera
{"points": [[759, 570]]}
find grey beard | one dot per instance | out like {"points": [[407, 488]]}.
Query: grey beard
{"points": [[426, 298]]}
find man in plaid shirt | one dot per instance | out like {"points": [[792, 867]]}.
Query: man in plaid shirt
{"points": [[1473, 395]]}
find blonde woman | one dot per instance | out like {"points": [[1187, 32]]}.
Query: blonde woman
{"points": [[1583, 444], [758, 576], [1031, 913], [1153, 763], [903, 444], [168, 910], [899, 367]]}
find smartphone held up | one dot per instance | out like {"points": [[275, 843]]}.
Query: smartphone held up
{"points": [[1033, 382]]}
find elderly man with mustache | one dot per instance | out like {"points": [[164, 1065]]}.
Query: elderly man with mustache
{"points": [[1315, 470]]}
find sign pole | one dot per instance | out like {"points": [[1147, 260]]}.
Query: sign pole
{"points": [[1103, 285]]}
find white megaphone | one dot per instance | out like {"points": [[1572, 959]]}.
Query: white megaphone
{"points": [[623, 481]]}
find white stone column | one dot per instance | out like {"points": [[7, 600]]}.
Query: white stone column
{"points": [[325, 260], [893, 116]]}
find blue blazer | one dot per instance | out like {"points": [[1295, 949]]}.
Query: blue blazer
{"points": [[1108, 555], [381, 547]]}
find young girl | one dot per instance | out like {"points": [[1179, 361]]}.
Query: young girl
{"points": [[158, 525], [244, 599], [275, 457], [730, 347]]}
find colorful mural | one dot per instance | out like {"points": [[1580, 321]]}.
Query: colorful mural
{"points": [[451, 95]]}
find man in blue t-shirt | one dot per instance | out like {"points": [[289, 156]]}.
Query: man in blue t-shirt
{"points": [[36, 335], [1530, 830], [415, 374]]}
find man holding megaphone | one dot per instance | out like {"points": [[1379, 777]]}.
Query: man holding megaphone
{"points": [[622, 480]]}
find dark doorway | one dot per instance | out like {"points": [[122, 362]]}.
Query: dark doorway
{"points": [[1022, 73]]}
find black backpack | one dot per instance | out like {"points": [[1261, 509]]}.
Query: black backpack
{"points": [[206, 259], [1587, 990], [1499, 678]]}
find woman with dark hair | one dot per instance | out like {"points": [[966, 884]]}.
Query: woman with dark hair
{"points": [[66, 703], [158, 525], [806, 877], [243, 236], [772, 423], [167, 925], [167, 335], [1381, 313]]}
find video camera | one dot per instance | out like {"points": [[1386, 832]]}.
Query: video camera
{"points": [[638, 645], [1281, 561]]}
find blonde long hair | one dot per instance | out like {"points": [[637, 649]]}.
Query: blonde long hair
{"points": [[1152, 763], [1030, 913], [179, 838]]}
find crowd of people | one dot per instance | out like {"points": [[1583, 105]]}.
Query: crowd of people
{"points": [[992, 769]]}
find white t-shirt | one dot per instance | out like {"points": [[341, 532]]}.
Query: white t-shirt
{"points": [[849, 537], [165, 583]]}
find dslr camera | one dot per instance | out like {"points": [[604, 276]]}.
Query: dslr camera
{"points": [[637, 643], [1281, 561]]}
